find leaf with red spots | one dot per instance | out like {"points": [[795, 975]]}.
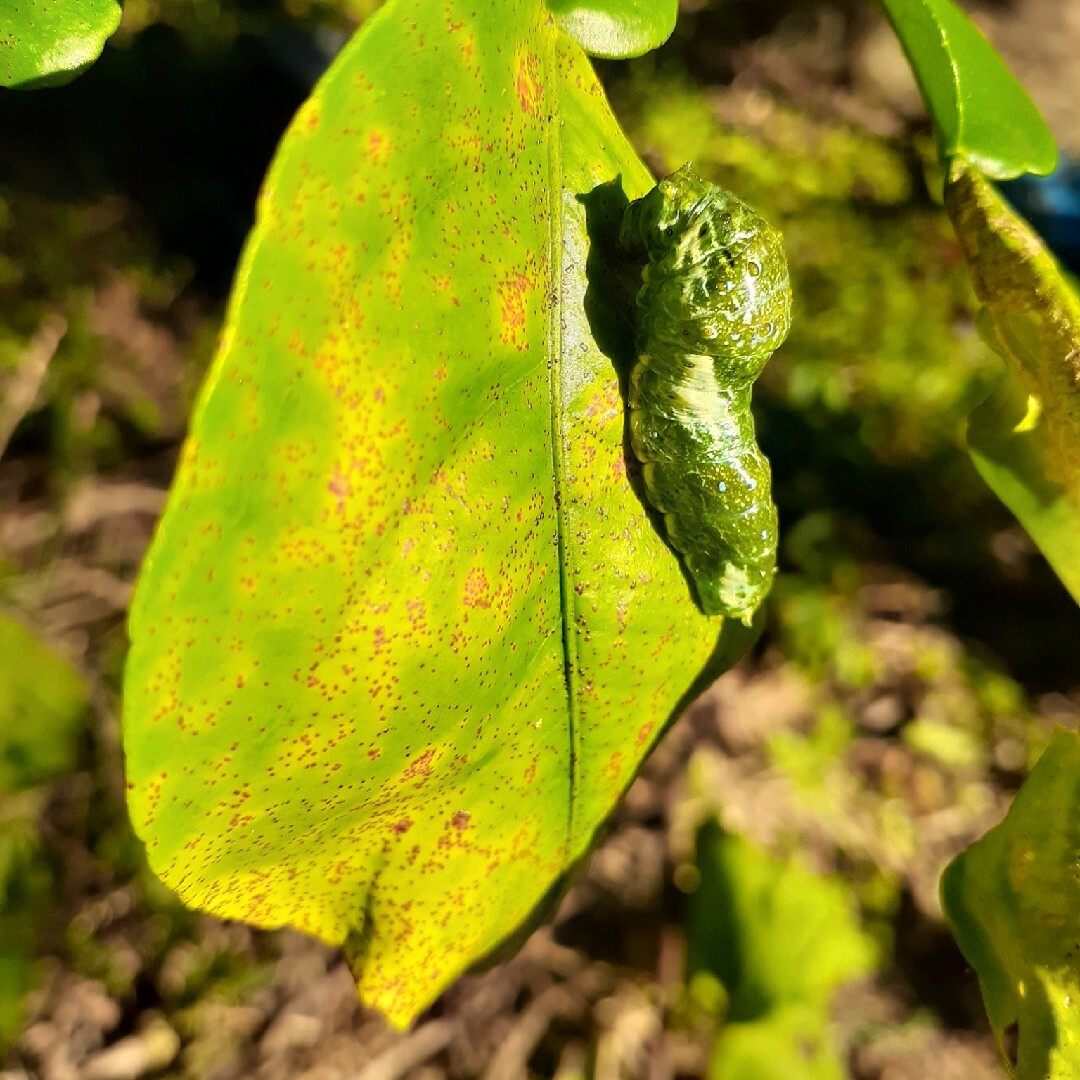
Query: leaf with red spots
{"points": [[407, 631]]}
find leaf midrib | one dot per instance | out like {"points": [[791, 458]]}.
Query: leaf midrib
{"points": [[556, 427]]}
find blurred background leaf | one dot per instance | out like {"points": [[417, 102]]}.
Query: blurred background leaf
{"points": [[780, 940], [43, 701]]}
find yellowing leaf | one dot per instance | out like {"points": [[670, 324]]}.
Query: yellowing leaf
{"points": [[406, 631]]}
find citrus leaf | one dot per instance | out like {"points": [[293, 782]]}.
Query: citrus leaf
{"points": [[48, 42], [979, 110], [1013, 902], [616, 28], [406, 631], [1025, 439]]}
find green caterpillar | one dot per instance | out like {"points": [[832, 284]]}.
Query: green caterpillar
{"points": [[714, 304]]}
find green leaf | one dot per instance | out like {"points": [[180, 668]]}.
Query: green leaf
{"points": [[979, 110], [1025, 440], [42, 702], [781, 940], [616, 28], [406, 631], [48, 42], [1013, 902]]}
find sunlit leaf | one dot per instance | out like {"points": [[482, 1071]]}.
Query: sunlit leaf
{"points": [[979, 110], [1025, 440], [406, 632], [616, 28], [48, 42], [1013, 901]]}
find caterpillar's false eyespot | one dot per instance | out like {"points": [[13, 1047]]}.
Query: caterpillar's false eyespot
{"points": [[714, 304]]}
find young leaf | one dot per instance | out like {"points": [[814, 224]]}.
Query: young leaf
{"points": [[979, 110], [616, 28], [406, 631], [1025, 440], [48, 42], [1013, 902]]}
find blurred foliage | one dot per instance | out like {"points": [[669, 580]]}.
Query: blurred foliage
{"points": [[90, 266], [220, 20], [25, 895], [778, 940], [873, 663], [42, 703], [873, 742]]}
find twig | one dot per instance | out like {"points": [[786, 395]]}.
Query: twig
{"points": [[413, 1050], [511, 1060], [23, 389], [92, 501]]}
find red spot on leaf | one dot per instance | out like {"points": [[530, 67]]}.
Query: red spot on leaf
{"points": [[477, 592], [378, 146], [527, 81], [614, 768], [513, 294], [421, 766]]}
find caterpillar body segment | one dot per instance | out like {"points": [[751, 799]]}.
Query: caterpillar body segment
{"points": [[714, 304]]}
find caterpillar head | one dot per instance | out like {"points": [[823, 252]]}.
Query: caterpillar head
{"points": [[656, 225], [724, 263]]}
